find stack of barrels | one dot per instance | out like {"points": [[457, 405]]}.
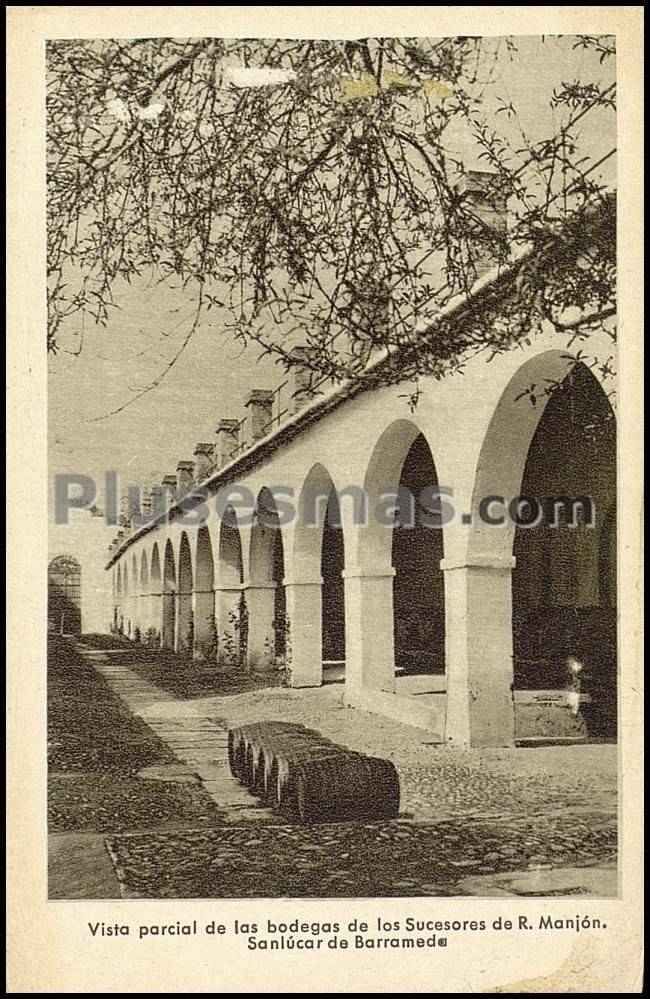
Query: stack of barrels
{"points": [[307, 777]]}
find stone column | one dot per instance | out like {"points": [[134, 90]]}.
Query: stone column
{"points": [[478, 603], [369, 639], [167, 634], [204, 633], [226, 611], [304, 638], [260, 607], [143, 614], [183, 619], [156, 613]]}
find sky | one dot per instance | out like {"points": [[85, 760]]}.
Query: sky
{"points": [[213, 376]]}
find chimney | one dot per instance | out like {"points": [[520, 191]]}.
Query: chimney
{"points": [[299, 378], [260, 412], [227, 440], [157, 500], [485, 203], [203, 458], [185, 477], [169, 486]]}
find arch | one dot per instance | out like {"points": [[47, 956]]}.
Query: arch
{"points": [[64, 595], [381, 575], [265, 546], [540, 588], [382, 479], [313, 500], [155, 573], [265, 593], [155, 598], [505, 447], [184, 617], [168, 597], [144, 573], [417, 554], [229, 605], [136, 603], [118, 617], [203, 606], [231, 566], [318, 560]]}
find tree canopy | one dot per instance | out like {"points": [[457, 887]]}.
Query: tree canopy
{"points": [[308, 192]]}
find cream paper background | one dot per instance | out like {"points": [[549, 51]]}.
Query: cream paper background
{"points": [[50, 947]]}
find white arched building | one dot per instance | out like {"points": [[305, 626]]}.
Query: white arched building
{"points": [[444, 627]]}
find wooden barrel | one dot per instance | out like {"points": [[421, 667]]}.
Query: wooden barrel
{"points": [[281, 787], [263, 749], [337, 789], [241, 736], [237, 736]]}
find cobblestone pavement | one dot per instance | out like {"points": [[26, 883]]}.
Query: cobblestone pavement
{"points": [[350, 859], [471, 822]]}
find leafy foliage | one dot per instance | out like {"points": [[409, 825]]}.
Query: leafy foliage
{"points": [[306, 192]]}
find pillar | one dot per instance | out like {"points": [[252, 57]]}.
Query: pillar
{"points": [[260, 608], [167, 635], [227, 601], [182, 639], [369, 639], [143, 614], [304, 638], [156, 613], [204, 631], [479, 653]]}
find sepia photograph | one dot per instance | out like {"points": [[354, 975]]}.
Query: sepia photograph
{"points": [[333, 554]]}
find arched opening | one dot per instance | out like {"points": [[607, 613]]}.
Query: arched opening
{"points": [[135, 599], [144, 598], [280, 600], [126, 602], [168, 598], [155, 611], [231, 571], [564, 581], [230, 605], [266, 604], [315, 591], [418, 587], [64, 595], [205, 642], [533, 595], [119, 605], [333, 607], [144, 573], [185, 622], [399, 557]]}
